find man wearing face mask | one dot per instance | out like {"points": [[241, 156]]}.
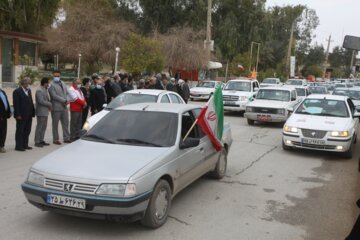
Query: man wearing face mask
{"points": [[77, 104], [97, 97], [24, 111], [58, 95], [43, 107]]}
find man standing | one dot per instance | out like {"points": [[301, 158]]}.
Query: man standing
{"points": [[24, 111], [77, 104], [97, 97], [5, 113], [86, 92], [167, 85], [186, 90], [58, 97], [43, 106]]}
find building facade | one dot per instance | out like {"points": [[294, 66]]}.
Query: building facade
{"points": [[17, 51]]}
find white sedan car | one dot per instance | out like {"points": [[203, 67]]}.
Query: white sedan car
{"points": [[203, 90], [133, 97], [323, 122]]}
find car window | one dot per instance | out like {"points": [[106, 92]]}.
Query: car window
{"points": [[301, 92], [272, 94], [200, 132], [206, 84], [174, 98], [293, 94], [140, 128], [131, 98], [351, 106], [323, 107], [238, 86], [187, 120], [165, 99]]}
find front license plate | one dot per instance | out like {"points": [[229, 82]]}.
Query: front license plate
{"points": [[264, 118], [66, 201], [313, 141], [229, 103]]}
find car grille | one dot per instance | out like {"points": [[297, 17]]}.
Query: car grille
{"points": [[313, 133], [230, 98], [77, 187], [265, 110], [313, 146]]}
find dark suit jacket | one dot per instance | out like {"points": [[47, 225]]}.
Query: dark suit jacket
{"points": [[4, 114], [23, 104]]}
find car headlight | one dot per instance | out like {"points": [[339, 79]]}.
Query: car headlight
{"points": [[281, 111], [290, 129], [86, 126], [35, 178], [340, 134], [249, 109], [118, 190], [244, 98]]}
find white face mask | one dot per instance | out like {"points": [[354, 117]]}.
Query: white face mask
{"points": [[56, 79]]}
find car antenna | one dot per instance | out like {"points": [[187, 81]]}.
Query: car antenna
{"points": [[144, 108]]}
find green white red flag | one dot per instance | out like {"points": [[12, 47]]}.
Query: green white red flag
{"points": [[211, 118]]}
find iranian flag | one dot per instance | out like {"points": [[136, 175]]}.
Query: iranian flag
{"points": [[211, 119]]}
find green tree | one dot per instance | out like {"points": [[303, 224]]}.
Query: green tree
{"points": [[141, 54], [30, 16], [315, 70]]}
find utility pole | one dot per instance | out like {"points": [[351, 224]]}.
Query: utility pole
{"points": [[208, 29], [290, 47], [352, 61], [327, 55]]}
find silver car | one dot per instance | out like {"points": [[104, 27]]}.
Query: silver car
{"points": [[129, 166]]}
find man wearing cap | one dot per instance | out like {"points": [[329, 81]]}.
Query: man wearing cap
{"points": [[5, 113], [58, 95]]}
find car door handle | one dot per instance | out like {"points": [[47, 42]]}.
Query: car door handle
{"points": [[201, 149]]}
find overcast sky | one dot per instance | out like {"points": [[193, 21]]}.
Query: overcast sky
{"points": [[337, 17]]}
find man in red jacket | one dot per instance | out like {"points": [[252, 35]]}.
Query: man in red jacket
{"points": [[77, 104]]}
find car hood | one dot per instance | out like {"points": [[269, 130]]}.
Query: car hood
{"points": [[268, 103], [201, 89], [98, 161], [237, 93], [319, 122], [95, 118]]}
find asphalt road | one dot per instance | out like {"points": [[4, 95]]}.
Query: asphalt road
{"points": [[268, 193]]}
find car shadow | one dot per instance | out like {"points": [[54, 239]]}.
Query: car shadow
{"points": [[233, 114], [268, 125], [328, 156]]}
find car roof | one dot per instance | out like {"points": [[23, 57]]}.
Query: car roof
{"points": [[242, 80], [327, 96], [272, 87], [347, 89], [154, 92], [159, 107]]}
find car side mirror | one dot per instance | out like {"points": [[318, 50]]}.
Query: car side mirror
{"points": [[104, 105], [293, 99], [189, 143], [290, 109], [256, 89]]}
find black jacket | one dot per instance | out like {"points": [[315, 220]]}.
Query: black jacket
{"points": [[23, 104], [4, 114], [97, 99]]}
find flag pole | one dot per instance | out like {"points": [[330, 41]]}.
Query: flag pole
{"points": [[191, 128]]}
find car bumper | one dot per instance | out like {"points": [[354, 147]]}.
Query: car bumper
{"points": [[235, 106], [266, 117], [126, 209], [331, 145], [200, 96]]}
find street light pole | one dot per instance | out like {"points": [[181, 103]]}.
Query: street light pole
{"points": [[117, 49], [78, 75]]}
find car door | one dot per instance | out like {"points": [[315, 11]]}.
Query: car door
{"points": [[355, 120], [190, 160]]}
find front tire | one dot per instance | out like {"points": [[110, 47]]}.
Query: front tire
{"points": [[250, 122], [221, 166], [159, 205], [286, 148], [349, 153]]}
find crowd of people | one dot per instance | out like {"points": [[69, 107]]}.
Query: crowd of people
{"points": [[54, 97]]}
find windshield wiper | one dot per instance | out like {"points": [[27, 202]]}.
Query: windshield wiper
{"points": [[137, 141], [332, 115], [103, 139]]}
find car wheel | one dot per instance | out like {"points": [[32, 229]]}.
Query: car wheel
{"points": [[221, 165], [158, 209], [349, 153], [191, 99], [251, 122], [286, 148]]}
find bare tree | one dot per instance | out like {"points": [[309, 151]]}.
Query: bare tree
{"points": [[89, 29]]}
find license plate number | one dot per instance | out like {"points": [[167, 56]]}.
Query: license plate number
{"points": [[66, 201], [313, 141], [264, 118], [230, 103]]}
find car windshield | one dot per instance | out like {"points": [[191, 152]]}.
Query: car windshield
{"points": [[271, 94], [300, 92], [354, 94], [140, 128], [206, 84], [315, 90], [323, 107], [341, 92], [239, 86], [269, 81], [340, 85], [131, 98], [295, 82]]}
